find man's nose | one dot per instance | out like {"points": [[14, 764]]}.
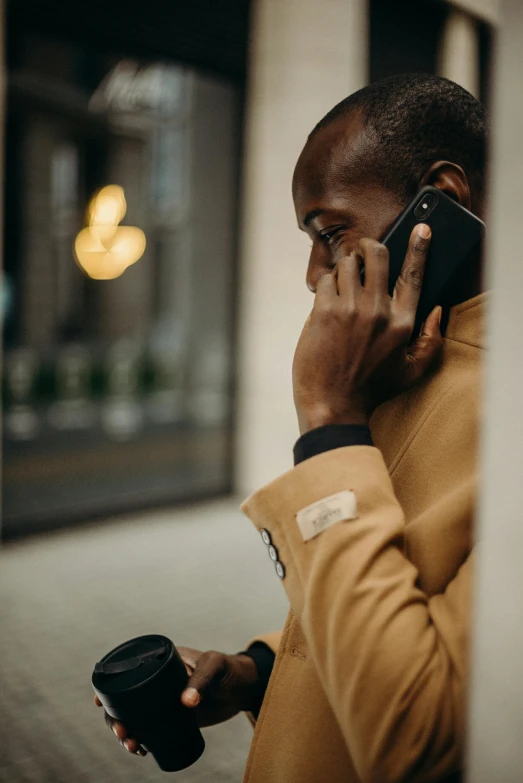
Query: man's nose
{"points": [[316, 269]]}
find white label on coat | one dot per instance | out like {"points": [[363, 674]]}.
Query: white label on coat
{"points": [[317, 517]]}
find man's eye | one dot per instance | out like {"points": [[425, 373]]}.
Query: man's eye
{"points": [[332, 237]]}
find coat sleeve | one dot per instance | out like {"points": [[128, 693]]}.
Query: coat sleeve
{"points": [[392, 662]]}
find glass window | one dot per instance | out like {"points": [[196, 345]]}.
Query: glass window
{"points": [[119, 247]]}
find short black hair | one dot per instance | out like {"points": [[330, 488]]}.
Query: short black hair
{"points": [[417, 119]]}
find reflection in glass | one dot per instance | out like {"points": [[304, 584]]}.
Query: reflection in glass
{"points": [[105, 249]]}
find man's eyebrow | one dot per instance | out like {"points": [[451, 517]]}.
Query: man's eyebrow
{"points": [[314, 213]]}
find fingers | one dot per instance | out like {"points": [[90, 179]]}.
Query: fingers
{"points": [[373, 257], [408, 286], [376, 260], [134, 747], [349, 281], [343, 281], [129, 743], [210, 666], [119, 730], [326, 289]]}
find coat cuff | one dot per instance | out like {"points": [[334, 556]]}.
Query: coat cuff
{"points": [[263, 657], [331, 436], [358, 469]]}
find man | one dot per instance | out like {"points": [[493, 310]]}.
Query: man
{"points": [[372, 531]]}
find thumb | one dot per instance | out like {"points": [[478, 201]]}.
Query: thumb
{"points": [[424, 350], [208, 669], [431, 326]]}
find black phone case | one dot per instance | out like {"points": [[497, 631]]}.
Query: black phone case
{"points": [[456, 234]]}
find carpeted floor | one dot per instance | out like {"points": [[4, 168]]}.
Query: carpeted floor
{"points": [[199, 575]]}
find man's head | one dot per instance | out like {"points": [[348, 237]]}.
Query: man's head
{"points": [[372, 152]]}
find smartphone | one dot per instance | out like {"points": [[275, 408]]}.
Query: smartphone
{"points": [[456, 237]]}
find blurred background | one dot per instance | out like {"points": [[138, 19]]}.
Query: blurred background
{"points": [[171, 382], [153, 291]]}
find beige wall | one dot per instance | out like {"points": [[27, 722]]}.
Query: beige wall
{"points": [[305, 57]]}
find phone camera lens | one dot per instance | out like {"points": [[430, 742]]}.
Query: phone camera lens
{"points": [[425, 206]]}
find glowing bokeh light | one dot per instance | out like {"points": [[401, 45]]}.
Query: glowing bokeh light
{"points": [[105, 249]]}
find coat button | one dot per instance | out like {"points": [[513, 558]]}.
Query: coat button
{"points": [[280, 569], [273, 553], [266, 537]]}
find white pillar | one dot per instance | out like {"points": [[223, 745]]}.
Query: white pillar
{"points": [[305, 58], [459, 52], [496, 716]]}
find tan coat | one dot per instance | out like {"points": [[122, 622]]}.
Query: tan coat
{"points": [[369, 682]]}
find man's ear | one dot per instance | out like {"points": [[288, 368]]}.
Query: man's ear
{"points": [[451, 179]]}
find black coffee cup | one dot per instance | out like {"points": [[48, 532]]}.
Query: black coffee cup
{"points": [[140, 683]]}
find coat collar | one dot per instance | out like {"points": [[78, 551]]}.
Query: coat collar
{"points": [[467, 321]]}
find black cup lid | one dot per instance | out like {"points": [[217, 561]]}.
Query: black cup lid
{"points": [[132, 663]]}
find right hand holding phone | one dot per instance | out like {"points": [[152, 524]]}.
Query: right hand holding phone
{"points": [[355, 351], [219, 687]]}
